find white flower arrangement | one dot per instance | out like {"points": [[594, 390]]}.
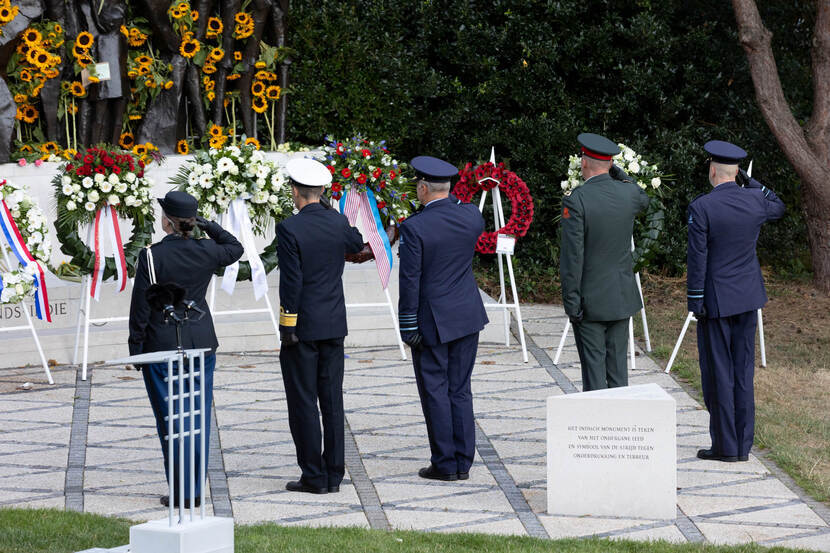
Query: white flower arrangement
{"points": [[646, 175], [17, 286], [217, 177]]}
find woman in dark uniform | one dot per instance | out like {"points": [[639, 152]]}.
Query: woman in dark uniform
{"points": [[188, 263]]}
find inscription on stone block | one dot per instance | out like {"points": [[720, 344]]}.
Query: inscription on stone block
{"points": [[613, 452]]}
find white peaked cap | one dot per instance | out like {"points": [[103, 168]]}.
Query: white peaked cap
{"points": [[308, 172]]}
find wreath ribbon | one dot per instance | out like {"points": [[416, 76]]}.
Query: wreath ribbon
{"points": [[108, 218], [25, 257], [354, 204], [240, 226]]}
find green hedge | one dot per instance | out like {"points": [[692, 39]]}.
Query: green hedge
{"points": [[453, 78]]}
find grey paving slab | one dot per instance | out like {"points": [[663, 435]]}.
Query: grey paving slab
{"points": [[45, 432]]}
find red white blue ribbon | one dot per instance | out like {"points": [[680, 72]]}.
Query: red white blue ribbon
{"points": [[108, 218], [26, 259], [354, 204]]}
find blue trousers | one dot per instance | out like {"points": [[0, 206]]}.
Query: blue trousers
{"points": [[154, 375], [726, 347], [442, 373]]}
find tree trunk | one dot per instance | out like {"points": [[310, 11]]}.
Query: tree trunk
{"points": [[807, 148]]}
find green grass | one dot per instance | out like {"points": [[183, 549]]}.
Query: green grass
{"points": [[52, 531]]}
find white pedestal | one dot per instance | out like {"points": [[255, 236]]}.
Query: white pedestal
{"points": [[208, 535], [613, 453]]}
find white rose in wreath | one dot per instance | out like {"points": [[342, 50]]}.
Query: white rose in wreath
{"points": [[87, 182], [99, 178], [93, 196]]}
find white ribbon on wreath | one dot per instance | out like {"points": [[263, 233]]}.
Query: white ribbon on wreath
{"points": [[239, 224]]}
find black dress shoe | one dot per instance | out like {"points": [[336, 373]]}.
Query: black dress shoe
{"points": [[334, 489], [463, 475], [432, 473], [708, 455], [305, 488], [165, 500]]}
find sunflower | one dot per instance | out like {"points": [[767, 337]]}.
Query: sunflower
{"points": [[30, 114], [50, 147], [31, 55], [77, 89], [237, 56], [258, 88], [7, 14], [27, 148], [260, 64], [176, 13], [52, 73], [215, 130], [182, 147], [84, 40], [251, 141], [72, 108], [194, 15], [132, 73], [79, 51], [242, 18], [32, 37], [209, 68], [211, 95], [135, 117], [69, 153], [42, 59], [143, 59], [259, 104], [22, 48], [150, 83], [126, 140], [273, 92], [234, 76], [94, 79], [189, 48], [124, 31], [168, 85], [20, 98], [243, 31], [136, 38], [26, 75], [216, 54], [214, 27], [140, 149], [217, 141], [58, 28], [19, 114], [83, 61], [264, 75]]}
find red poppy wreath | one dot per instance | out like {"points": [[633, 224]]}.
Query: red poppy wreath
{"points": [[475, 180]]}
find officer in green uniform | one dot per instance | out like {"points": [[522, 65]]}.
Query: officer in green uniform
{"points": [[596, 268]]}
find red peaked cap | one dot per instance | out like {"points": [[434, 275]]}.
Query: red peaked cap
{"points": [[597, 147]]}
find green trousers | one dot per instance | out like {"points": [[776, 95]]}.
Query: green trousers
{"points": [[602, 347]]}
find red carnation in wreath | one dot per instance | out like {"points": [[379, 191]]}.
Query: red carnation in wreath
{"points": [[485, 177]]}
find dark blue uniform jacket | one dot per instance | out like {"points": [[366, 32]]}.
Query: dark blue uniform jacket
{"points": [[190, 263], [438, 293], [310, 247], [723, 270]]}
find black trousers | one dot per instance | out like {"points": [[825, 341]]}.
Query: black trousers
{"points": [[312, 372]]}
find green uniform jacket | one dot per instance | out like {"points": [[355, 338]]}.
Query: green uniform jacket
{"points": [[595, 258]]}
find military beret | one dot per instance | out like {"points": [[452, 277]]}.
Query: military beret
{"points": [[597, 147], [179, 204], [724, 152], [308, 172], [433, 169]]}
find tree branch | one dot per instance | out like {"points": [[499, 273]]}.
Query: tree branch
{"points": [[756, 40], [818, 128]]}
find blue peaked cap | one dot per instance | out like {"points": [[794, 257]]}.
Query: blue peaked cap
{"points": [[724, 152], [433, 169]]}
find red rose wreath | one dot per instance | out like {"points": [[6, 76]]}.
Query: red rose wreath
{"points": [[473, 180]]}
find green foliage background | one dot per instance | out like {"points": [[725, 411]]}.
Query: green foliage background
{"points": [[452, 78]]}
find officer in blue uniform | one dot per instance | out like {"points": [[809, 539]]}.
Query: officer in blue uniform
{"points": [[441, 313], [189, 263], [311, 247], [725, 291]]}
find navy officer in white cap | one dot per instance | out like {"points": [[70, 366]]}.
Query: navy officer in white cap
{"points": [[441, 314], [725, 291], [311, 247]]}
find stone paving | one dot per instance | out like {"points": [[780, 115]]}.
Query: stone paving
{"points": [[91, 446]]}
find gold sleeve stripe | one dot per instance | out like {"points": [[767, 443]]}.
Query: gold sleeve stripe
{"points": [[287, 319]]}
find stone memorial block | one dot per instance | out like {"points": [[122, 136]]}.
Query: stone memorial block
{"points": [[613, 453]]}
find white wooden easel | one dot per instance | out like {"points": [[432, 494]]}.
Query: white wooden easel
{"points": [[691, 317], [631, 351], [388, 304], [84, 318], [29, 325], [498, 217], [267, 309]]}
